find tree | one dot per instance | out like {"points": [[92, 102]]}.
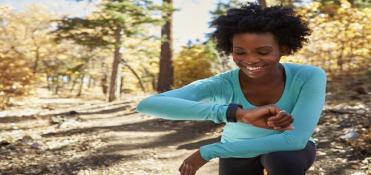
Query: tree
{"points": [[25, 44], [15, 76], [107, 28], [340, 39], [262, 3], [354, 3], [193, 63], [222, 7], [165, 79]]}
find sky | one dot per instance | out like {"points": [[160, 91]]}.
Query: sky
{"points": [[191, 21]]}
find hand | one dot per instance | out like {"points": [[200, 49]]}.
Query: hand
{"points": [[282, 121], [269, 117], [191, 164]]}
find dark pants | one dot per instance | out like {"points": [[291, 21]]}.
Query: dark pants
{"points": [[276, 163]]}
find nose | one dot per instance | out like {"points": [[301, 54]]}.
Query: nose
{"points": [[248, 59]]}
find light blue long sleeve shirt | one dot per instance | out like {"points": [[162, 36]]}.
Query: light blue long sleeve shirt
{"points": [[207, 99]]}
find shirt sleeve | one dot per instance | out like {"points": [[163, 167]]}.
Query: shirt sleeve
{"points": [[191, 102], [306, 113]]}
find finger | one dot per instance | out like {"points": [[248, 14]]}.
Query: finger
{"points": [[273, 109], [284, 129], [283, 122], [280, 120], [281, 115], [193, 172], [289, 122], [187, 169], [181, 167], [290, 127], [278, 116], [291, 119], [270, 124], [277, 128], [183, 170]]}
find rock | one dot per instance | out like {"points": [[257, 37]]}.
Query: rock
{"points": [[72, 113], [4, 143], [36, 145], [69, 124], [56, 120], [350, 135], [360, 90], [26, 139]]}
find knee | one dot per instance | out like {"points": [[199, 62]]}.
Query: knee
{"points": [[279, 163]]}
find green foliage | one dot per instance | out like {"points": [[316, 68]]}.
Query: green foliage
{"points": [[98, 30], [222, 7]]}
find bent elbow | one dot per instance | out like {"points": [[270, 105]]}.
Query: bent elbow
{"points": [[138, 108], [299, 145], [296, 143], [142, 104]]}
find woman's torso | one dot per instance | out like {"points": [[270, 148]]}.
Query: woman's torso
{"points": [[294, 79]]}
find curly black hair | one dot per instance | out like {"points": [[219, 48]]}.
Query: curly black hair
{"points": [[287, 27]]}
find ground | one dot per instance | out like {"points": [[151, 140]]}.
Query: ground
{"points": [[56, 135]]}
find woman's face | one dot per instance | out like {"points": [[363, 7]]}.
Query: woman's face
{"points": [[256, 54]]}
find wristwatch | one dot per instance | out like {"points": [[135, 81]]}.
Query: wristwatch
{"points": [[231, 112]]}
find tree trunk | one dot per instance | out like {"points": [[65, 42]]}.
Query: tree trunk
{"points": [[48, 82], [104, 84], [74, 83], [262, 3], [37, 58], [135, 74], [114, 89], [165, 79], [81, 85], [90, 82], [55, 81]]}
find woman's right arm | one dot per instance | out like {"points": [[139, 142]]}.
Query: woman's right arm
{"points": [[191, 102]]}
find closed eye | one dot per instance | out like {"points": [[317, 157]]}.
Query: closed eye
{"points": [[239, 53], [263, 53]]}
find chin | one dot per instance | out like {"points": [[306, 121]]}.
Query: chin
{"points": [[252, 74]]}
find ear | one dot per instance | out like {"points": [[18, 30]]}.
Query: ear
{"points": [[284, 50]]}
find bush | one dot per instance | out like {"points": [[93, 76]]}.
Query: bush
{"points": [[15, 77]]}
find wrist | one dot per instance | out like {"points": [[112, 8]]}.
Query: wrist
{"points": [[239, 114], [232, 112]]}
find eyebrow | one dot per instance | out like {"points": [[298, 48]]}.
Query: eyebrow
{"points": [[261, 47]]}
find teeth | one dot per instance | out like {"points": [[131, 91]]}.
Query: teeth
{"points": [[254, 68]]}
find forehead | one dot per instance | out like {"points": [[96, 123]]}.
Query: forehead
{"points": [[254, 40]]}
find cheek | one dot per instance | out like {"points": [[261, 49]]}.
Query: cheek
{"points": [[237, 58], [272, 58]]}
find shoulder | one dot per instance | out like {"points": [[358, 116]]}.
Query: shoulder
{"points": [[227, 75], [303, 72], [222, 78], [220, 81]]}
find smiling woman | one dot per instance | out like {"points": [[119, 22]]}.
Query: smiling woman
{"points": [[270, 109]]}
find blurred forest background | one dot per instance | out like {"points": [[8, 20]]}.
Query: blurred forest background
{"points": [[69, 87]]}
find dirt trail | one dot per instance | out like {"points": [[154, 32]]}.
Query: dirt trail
{"points": [[75, 136]]}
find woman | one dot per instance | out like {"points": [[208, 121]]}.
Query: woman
{"points": [[258, 101]]}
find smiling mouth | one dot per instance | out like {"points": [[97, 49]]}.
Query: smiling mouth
{"points": [[254, 68]]}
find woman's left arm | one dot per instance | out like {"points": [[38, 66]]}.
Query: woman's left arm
{"points": [[306, 113]]}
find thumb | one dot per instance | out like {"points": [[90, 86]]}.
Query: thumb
{"points": [[274, 110]]}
